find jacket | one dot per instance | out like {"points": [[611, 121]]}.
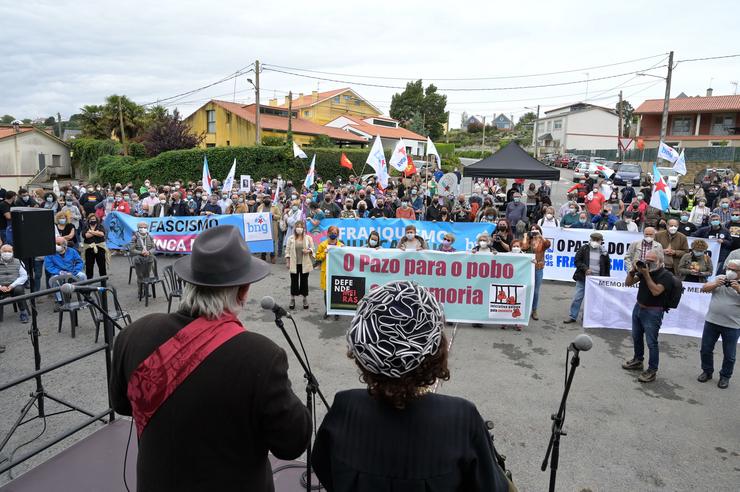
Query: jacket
{"points": [[136, 246], [538, 248], [633, 253], [179, 209], [321, 256], [582, 263], [155, 211], [703, 264], [69, 262], [678, 243], [307, 260]]}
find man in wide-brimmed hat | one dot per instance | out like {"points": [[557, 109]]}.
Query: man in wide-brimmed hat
{"points": [[209, 399]]}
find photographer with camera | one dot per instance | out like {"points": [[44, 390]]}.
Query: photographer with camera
{"points": [[656, 284]]}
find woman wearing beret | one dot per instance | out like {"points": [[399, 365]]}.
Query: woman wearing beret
{"points": [[397, 434]]}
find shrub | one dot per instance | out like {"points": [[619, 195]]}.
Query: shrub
{"points": [[87, 151], [445, 150], [273, 141]]}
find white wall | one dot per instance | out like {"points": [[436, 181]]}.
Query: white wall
{"points": [[591, 130], [19, 158]]}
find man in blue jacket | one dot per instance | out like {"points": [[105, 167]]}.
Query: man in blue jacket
{"points": [[65, 261]]}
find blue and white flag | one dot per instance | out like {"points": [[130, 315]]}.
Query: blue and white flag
{"points": [[309, 181], [667, 152], [206, 176], [680, 165], [661, 197], [229, 181], [399, 159], [376, 159]]}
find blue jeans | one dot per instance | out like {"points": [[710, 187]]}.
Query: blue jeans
{"points": [[729, 348], [575, 306], [646, 322], [537, 284], [38, 272]]}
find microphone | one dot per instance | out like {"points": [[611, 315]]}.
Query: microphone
{"points": [[582, 343], [67, 289], [269, 304]]}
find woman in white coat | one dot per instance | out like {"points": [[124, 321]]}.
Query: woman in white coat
{"points": [[291, 216], [299, 257]]}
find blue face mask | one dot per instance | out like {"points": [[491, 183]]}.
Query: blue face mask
{"points": [[333, 236], [684, 218], [715, 223]]}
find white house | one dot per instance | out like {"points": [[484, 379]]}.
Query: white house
{"points": [[25, 151], [387, 128], [579, 126]]}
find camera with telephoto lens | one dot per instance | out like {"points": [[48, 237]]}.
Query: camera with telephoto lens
{"points": [[641, 264]]}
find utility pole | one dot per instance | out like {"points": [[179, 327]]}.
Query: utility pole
{"points": [[258, 130], [447, 133], [290, 117], [534, 131], [619, 130], [484, 132], [59, 123], [123, 132], [664, 122]]}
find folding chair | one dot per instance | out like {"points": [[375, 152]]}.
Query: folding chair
{"points": [[68, 305], [174, 285], [117, 313]]}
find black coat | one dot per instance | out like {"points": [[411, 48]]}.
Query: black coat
{"points": [[582, 263], [179, 209], [215, 430]]}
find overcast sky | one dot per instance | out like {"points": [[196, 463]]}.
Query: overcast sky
{"points": [[57, 56]]}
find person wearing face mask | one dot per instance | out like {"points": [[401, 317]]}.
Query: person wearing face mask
{"points": [[549, 219], [583, 222], [434, 210], [13, 277], [373, 240], [149, 202], [291, 217], [141, 249], [716, 230], [700, 213], [734, 219], [417, 204], [178, 207], [411, 241], [332, 241], [638, 249], [535, 243], [591, 259], [211, 207], [72, 208], [405, 211], [675, 245], [267, 206], [162, 208], [483, 244], [487, 215], [65, 229], [655, 284], [626, 223], [516, 211], [94, 248], [380, 211], [329, 207], [447, 243], [121, 205], [696, 265], [50, 202], [604, 221], [722, 320], [64, 261], [348, 212], [616, 205], [569, 214], [684, 226], [502, 237], [90, 199], [299, 255], [723, 210], [595, 201]]}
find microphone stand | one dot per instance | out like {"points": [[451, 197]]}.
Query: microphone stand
{"points": [[553, 448], [312, 389]]}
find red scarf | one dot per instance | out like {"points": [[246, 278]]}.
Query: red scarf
{"points": [[159, 375]]}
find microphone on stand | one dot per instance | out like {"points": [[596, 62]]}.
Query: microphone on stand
{"points": [[68, 289], [582, 343], [269, 304]]}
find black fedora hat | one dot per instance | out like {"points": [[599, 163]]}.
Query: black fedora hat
{"points": [[221, 258]]}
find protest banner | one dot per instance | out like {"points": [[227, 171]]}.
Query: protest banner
{"points": [[560, 259], [608, 303], [245, 182], [176, 234], [354, 232], [472, 288]]}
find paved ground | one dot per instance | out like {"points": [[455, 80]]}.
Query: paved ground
{"points": [[674, 435]]}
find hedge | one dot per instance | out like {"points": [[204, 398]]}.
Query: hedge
{"points": [[473, 154], [87, 151]]}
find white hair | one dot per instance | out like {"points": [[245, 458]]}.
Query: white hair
{"points": [[735, 263], [210, 302]]}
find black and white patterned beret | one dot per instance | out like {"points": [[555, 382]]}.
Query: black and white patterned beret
{"points": [[395, 327]]}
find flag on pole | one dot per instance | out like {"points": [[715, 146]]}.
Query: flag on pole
{"points": [[297, 152], [399, 159], [345, 162], [376, 159], [667, 152], [410, 167], [276, 190], [680, 165], [55, 187], [661, 197], [308, 182], [206, 176], [229, 181], [432, 150]]}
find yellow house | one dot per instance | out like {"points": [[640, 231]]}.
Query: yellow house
{"points": [[323, 107], [232, 124]]}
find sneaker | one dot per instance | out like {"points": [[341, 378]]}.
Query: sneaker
{"points": [[534, 315], [648, 376], [24, 316], [704, 377], [569, 321], [292, 304], [723, 382], [633, 365]]}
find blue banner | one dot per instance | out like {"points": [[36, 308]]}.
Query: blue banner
{"points": [[176, 234], [354, 232]]}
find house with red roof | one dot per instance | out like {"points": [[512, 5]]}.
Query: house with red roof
{"points": [[323, 107], [388, 129]]}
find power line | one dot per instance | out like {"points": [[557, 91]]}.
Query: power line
{"points": [[708, 58], [501, 77], [239, 72]]}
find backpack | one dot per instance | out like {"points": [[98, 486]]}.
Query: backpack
{"points": [[674, 296]]}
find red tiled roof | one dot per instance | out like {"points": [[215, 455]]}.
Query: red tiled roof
{"points": [[691, 105], [310, 100], [383, 131], [7, 131], [279, 123]]}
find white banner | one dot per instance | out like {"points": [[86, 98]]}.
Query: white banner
{"points": [[608, 304], [560, 259], [258, 226]]}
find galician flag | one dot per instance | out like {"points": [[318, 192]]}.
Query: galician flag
{"points": [[680, 165], [661, 197], [297, 152], [310, 177], [667, 152], [399, 159], [376, 159], [206, 176], [432, 150], [229, 181]]}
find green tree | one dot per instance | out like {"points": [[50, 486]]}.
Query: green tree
{"points": [[26, 121], [435, 115], [102, 121], [415, 100], [416, 124], [322, 141], [50, 121], [7, 119], [273, 141], [627, 114], [92, 123]]}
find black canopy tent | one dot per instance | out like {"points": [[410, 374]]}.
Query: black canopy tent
{"points": [[511, 162]]}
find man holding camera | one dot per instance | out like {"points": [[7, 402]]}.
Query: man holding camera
{"points": [[647, 316]]}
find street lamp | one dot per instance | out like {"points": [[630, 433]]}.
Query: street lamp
{"points": [[534, 130]]}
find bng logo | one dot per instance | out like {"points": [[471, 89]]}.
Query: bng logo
{"points": [[259, 225]]}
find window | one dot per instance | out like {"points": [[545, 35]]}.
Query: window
{"points": [[211, 118], [721, 124], [336, 99], [549, 126], [209, 145], [347, 97], [557, 125], [56, 160], [228, 143], [358, 102], [307, 113], [681, 125]]}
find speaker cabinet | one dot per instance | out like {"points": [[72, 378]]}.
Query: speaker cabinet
{"points": [[33, 232]]}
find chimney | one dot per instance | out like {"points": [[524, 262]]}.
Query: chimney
{"points": [[286, 101], [272, 102], [315, 95], [300, 95], [709, 92]]}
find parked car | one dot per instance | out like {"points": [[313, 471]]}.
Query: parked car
{"points": [[669, 176], [594, 169], [549, 159], [704, 177], [627, 172], [598, 160], [566, 161]]}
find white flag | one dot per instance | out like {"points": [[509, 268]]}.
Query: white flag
{"points": [[297, 152], [680, 165], [399, 159], [308, 182], [376, 159], [206, 176], [229, 181], [667, 152], [432, 150]]}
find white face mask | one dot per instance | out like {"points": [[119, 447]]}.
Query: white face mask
{"points": [[595, 244], [673, 229], [6, 256], [143, 230], [372, 242], [729, 274], [483, 244], [59, 248], [548, 216], [516, 249], [299, 230], [648, 240], [410, 236]]}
